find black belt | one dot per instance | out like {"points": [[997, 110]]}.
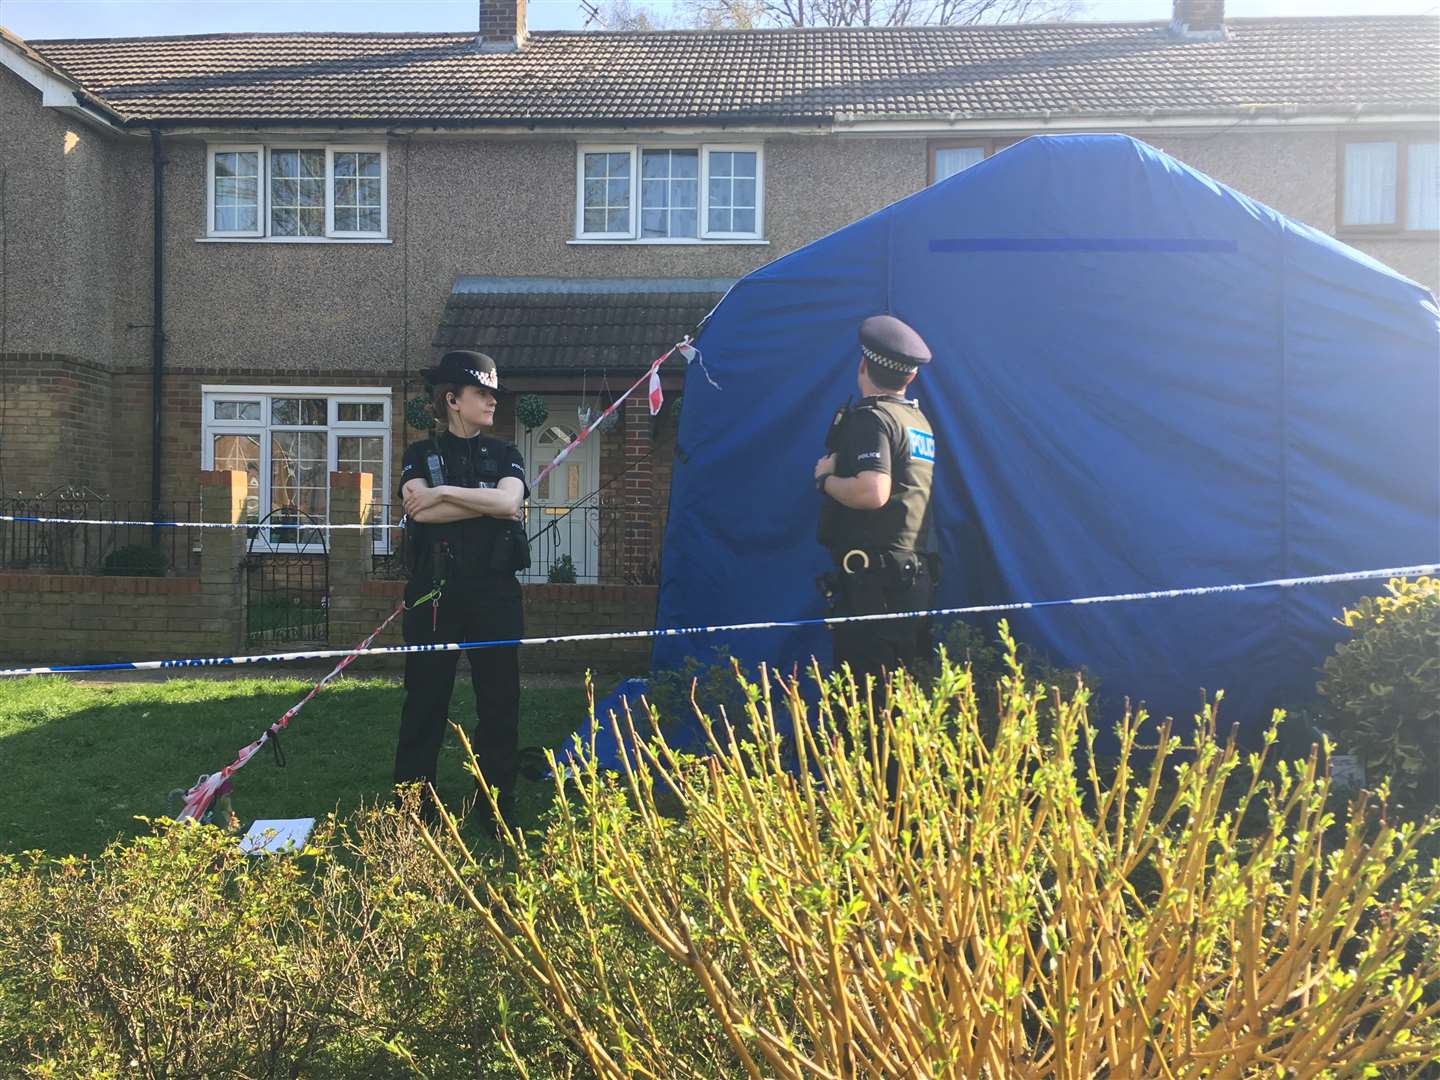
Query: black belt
{"points": [[860, 561]]}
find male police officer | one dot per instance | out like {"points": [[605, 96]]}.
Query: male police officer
{"points": [[463, 492], [875, 515]]}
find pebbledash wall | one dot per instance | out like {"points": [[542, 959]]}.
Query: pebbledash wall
{"points": [[62, 619], [78, 267]]}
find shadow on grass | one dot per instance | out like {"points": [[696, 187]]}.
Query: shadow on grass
{"points": [[80, 761]]}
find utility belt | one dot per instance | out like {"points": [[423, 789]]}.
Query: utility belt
{"points": [[864, 580], [903, 567], [509, 552]]}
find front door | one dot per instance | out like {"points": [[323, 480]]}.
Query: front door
{"points": [[564, 516]]}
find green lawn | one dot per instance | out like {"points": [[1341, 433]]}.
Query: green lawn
{"points": [[79, 760]]}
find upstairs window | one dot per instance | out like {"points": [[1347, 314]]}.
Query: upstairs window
{"points": [[951, 156], [669, 194], [1390, 185], [296, 193]]}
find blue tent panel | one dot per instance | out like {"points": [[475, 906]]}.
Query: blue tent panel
{"points": [[1143, 380]]}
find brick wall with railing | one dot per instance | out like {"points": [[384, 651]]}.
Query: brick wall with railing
{"points": [[88, 618], [85, 617]]}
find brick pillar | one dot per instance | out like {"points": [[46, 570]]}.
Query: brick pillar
{"points": [[639, 491], [351, 555], [222, 552]]}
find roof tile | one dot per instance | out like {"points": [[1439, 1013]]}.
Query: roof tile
{"points": [[1380, 63], [563, 324]]}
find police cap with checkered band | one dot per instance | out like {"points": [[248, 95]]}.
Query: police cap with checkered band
{"points": [[888, 343], [464, 367]]}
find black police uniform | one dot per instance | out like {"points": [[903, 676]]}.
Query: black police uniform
{"points": [[882, 556], [473, 561]]}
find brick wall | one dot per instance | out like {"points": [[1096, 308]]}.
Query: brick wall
{"points": [[55, 427], [58, 619], [72, 618], [640, 539]]}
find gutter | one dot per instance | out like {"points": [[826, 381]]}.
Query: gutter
{"points": [[839, 123], [1251, 116]]}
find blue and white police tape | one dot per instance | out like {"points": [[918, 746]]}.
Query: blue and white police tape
{"points": [[297, 526], [773, 624]]}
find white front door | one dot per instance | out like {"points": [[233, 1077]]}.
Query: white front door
{"points": [[564, 516]]}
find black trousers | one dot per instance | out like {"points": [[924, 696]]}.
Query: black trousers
{"points": [[483, 609], [873, 648]]}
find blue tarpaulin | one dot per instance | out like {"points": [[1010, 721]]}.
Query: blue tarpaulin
{"points": [[1142, 380]]}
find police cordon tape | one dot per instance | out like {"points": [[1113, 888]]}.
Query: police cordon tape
{"points": [[1419, 570], [685, 348], [199, 797], [295, 526]]}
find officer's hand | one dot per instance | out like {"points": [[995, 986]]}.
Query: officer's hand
{"points": [[418, 497], [825, 465]]}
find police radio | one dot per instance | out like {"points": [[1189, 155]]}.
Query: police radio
{"points": [[435, 466], [832, 435]]}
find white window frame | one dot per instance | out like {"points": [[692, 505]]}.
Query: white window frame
{"points": [[270, 148], [605, 148], [330, 152], [740, 148], [334, 430], [262, 180], [332, 235], [703, 233]]}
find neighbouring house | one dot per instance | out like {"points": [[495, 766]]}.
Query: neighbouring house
{"points": [[239, 250]]}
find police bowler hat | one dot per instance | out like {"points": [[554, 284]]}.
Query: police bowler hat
{"points": [[464, 367]]}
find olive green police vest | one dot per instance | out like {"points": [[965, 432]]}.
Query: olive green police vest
{"points": [[903, 523]]}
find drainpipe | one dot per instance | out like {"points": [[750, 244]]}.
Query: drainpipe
{"points": [[157, 326]]}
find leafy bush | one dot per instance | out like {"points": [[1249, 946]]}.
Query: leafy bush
{"points": [[984, 653], [1383, 688], [715, 684], [562, 571], [176, 955], [136, 560], [1003, 914]]}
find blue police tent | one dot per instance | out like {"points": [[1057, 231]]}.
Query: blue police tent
{"points": [[1143, 380]]}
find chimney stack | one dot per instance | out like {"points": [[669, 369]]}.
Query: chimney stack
{"points": [[502, 25], [1199, 20]]}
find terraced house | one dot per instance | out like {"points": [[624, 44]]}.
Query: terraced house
{"points": [[237, 251]]}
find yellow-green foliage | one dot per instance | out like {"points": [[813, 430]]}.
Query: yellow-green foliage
{"points": [[1383, 686], [175, 955], [769, 910]]}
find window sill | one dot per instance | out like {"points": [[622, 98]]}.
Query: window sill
{"points": [[1388, 234], [665, 242], [293, 240]]}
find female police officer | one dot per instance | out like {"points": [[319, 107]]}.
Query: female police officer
{"points": [[463, 491]]}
